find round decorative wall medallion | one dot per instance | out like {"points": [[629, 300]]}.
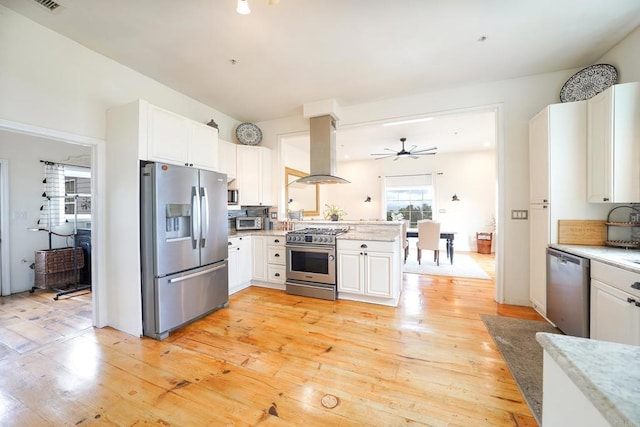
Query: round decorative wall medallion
{"points": [[248, 134], [588, 82]]}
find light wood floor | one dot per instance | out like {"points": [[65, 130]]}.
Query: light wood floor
{"points": [[274, 359]]}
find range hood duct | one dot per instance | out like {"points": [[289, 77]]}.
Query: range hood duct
{"points": [[323, 152]]}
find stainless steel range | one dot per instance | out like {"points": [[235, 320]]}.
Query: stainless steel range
{"points": [[311, 262]]}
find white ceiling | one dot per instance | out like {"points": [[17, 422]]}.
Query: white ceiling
{"points": [[354, 51], [471, 131]]}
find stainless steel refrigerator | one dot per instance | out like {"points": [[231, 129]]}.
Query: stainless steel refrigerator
{"points": [[184, 234]]}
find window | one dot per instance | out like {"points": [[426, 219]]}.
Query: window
{"points": [[77, 181], [409, 198]]}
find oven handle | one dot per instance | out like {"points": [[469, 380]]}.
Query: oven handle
{"points": [[318, 248]]}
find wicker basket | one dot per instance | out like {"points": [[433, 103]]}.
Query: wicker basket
{"points": [[46, 281], [58, 260], [484, 242]]}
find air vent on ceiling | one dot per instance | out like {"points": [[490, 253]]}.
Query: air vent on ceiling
{"points": [[49, 4]]}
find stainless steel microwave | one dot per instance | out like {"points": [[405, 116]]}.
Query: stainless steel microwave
{"points": [[232, 197], [249, 223]]}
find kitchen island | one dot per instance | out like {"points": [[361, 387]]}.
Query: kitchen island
{"points": [[368, 258], [589, 382]]}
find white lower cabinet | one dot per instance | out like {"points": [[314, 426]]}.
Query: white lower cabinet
{"points": [[368, 271], [615, 304], [276, 259], [563, 403], [239, 263], [259, 257]]}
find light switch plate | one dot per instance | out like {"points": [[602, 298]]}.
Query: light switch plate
{"points": [[519, 214]]}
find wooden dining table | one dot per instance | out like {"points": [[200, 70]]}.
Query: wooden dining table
{"points": [[447, 235]]}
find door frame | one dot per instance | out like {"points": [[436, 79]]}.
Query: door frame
{"points": [[98, 157], [5, 288]]}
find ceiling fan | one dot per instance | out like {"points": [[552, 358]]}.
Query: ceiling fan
{"points": [[411, 152]]}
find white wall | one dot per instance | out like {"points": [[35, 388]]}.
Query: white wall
{"points": [[626, 58], [25, 198], [51, 81], [470, 175]]}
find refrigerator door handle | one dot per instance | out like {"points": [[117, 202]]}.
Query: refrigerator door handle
{"points": [[199, 273], [195, 217], [205, 216]]}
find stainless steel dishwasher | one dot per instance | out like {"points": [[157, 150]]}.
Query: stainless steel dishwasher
{"points": [[568, 293]]}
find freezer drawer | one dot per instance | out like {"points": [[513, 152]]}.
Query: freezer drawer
{"points": [[181, 298], [568, 292]]}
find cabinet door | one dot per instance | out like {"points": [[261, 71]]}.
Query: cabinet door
{"points": [[203, 146], [249, 180], [234, 266], [613, 317], [599, 147], [350, 275], [245, 258], [227, 158], [538, 241], [378, 274], [539, 157], [259, 257], [168, 137]]}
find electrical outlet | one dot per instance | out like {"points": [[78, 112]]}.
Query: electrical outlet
{"points": [[519, 214]]}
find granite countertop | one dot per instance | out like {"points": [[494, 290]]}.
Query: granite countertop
{"points": [[378, 237], [618, 257], [605, 372]]}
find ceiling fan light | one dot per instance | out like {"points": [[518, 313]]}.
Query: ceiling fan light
{"points": [[243, 7]]}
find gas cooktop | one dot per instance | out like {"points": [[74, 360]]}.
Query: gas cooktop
{"points": [[322, 236]]}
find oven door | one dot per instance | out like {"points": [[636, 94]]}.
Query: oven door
{"points": [[310, 263]]}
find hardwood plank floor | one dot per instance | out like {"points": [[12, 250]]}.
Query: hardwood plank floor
{"points": [[273, 359]]}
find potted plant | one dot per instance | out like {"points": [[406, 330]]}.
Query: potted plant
{"points": [[333, 212]]}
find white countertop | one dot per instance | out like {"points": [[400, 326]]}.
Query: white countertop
{"points": [[607, 373], [618, 257], [377, 237], [257, 233]]}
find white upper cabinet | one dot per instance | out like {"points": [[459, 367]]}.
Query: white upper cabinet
{"points": [[614, 145], [168, 137], [203, 147], [227, 156], [178, 140], [254, 175]]}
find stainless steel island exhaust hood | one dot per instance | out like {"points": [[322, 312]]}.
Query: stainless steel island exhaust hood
{"points": [[323, 152]]}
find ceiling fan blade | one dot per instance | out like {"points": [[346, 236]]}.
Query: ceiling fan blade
{"points": [[412, 147], [396, 159], [424, 154], [413, 157], [384, 156], [426, 149]]}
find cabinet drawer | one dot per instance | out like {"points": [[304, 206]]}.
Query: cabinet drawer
{"points": [[276, 255], [617, 277], [276, 240], [276, 273], [369, 245]]}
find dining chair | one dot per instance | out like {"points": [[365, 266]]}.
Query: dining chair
{"points": [[429, 239], [405, 240]]}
